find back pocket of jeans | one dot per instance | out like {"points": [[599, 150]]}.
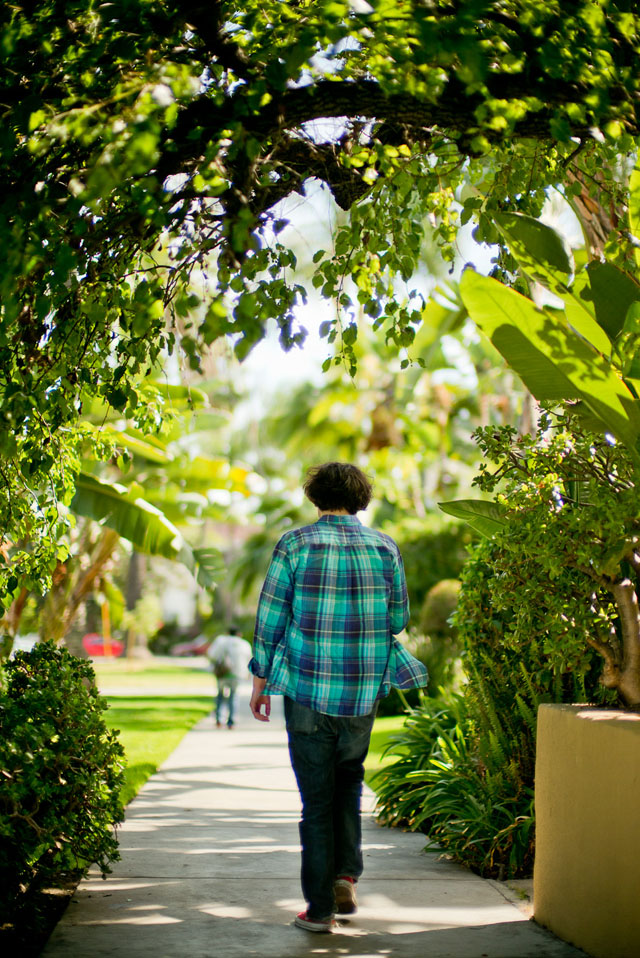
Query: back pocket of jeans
{"points": [[300, 718]]}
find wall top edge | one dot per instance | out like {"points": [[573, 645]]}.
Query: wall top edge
{"points": [[593, 713]]}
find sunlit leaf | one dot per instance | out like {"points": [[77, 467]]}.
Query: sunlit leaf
{"points": [[127, 514], [541, 253], [552, 360], [483, 516]]}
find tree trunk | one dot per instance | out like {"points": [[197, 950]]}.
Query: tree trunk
{"points": [[10, 623], [71, 588], [625, 677], [135, 579], [597, 208], [528, 424], [135, 582]]}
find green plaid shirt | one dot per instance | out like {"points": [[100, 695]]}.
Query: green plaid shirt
{"points": [[333, 599]]}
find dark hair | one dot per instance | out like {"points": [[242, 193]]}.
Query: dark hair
{"points": [[338, 485]]}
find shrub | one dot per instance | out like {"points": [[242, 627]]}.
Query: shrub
{"points": [[62, 772], [439, 605], [465, 771], [568, 565], [400, 787], [431, 552], [474, 806], [439, 647], [543, 603]]}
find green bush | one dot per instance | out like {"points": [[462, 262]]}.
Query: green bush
{"points": [[544, 604], [473, 806], [400, 787], [439, 647], [431, 551], [465, 768], [62, 772], [439, 605]]}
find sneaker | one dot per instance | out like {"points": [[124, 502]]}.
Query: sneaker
{"points": [[313, 924], [344, 889]]}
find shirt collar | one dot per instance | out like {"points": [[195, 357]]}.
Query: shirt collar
{"points": [[340, 520]]}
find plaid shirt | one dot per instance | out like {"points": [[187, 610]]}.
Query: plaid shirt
{"points": [[333, 599]]}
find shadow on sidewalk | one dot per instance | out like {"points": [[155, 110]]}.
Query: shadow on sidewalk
{"points": [[219, 922]]}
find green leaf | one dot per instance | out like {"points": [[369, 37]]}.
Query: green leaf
{"points": [[551, 359], [143, 525], [350, 334], [177, 395], [634, 207], [609, 563], [438, 320], [632, 319], [485, 517], [203, 473], [538, 248], [541, 253], [207, 565], [146, 447], [127, 514], [607, 293]]}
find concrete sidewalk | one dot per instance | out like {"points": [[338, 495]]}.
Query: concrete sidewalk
{"points": [[210, 869]]}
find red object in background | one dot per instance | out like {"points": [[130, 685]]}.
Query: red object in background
{"points": [[94, 645], [197, 646]]}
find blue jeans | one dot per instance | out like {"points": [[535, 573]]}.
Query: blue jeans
{"points": [[327, 755], [226, 693]]}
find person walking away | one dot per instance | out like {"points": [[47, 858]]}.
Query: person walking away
{"points": [[333, 600], [229, 656]]}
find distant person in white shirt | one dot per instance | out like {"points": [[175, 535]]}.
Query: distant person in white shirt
{"points": [[229, 655]]}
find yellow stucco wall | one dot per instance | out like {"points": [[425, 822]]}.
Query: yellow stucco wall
{"points": [[586, 883]]}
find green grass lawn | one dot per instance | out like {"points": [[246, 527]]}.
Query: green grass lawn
{"points": [[150, 728], [384, 728], [153, 675]]}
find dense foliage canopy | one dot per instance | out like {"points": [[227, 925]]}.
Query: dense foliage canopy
{"points": [[145, 147]]}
